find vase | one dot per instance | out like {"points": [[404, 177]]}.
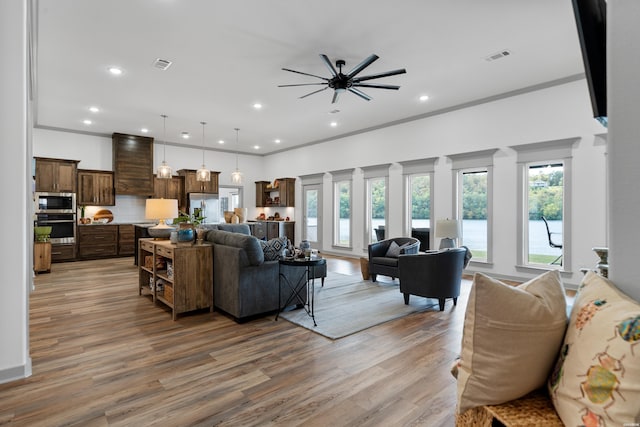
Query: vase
{"points": [[185, 236]]}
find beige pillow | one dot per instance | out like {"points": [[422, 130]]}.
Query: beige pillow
{"points": [[597, 378], [511, 338]]}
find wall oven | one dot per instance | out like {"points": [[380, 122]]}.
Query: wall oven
{"points": [[63, 226], [58, 211]]}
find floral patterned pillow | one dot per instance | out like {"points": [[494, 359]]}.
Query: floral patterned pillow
{"points": [[596, 380]]}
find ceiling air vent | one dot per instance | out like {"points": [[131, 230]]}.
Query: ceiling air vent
{"points": [[161, 64], [497, 55]]}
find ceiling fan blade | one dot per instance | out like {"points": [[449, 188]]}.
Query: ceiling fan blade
{"points": [[303, 84], [315, 91], [336, 95], [329, 65], [377, 86], [360, 93], [361, 66], [305, 74], [377, 76]]}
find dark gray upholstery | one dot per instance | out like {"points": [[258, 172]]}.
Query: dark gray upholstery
{"points": [[245, 286], [432, 275], [234, 228], [379, 263]]}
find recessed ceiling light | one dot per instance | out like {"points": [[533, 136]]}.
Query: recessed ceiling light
{"points": [[277, 141], [256, 147], [86, 122], [185, 135], [423, 98], [333, 124], [144, 130], [94, 109], [220, 142], [257, 106], [115, 71]]}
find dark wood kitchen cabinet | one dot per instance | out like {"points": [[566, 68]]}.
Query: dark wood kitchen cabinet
{"points": [[172, 188], [95, 188], [56, 175], [97, 241], [132, 164], [192, 185], [126, 240]]}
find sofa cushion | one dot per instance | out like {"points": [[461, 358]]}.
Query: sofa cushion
{"points": [[251, 245], [393, 251], [274, 248], [510, 340], [598, 370]]}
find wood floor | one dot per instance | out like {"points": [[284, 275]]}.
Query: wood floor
{"points": [[102, 355]]}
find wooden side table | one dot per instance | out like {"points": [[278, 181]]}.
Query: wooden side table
{"points": [[186, 272], [42, 257]]}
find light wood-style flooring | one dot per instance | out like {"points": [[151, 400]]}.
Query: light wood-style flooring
{"points": [[104, 356]]}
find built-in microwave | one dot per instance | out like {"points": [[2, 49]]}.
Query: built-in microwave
{"points": [[55, 202]]}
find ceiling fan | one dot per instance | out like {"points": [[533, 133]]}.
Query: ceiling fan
{"points": [[340, 82]]}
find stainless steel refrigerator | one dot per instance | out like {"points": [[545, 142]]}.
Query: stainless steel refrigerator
{"points": [[208, 204]]}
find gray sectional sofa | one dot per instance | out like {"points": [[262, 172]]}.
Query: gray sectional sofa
{"points": [[245, 285]]}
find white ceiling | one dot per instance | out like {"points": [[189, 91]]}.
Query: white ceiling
{"points": [[228, 55]]}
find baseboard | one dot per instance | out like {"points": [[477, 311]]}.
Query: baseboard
{"points": [[15, 373]]}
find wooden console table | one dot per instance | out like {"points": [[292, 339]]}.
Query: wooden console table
{"points": [[186, 273]]}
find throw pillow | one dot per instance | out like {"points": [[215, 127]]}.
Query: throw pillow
{"points": [[393, 251], [510, 339], [597, 375], [274, 248]]}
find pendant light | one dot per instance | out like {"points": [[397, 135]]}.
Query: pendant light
{"points": [[164, 170], [203, 174], [236, 177]]}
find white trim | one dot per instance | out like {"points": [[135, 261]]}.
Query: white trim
{"points": [[342, 175], [16, 373], [316, 178], [474, 159], [376, 171], [420, 166]]}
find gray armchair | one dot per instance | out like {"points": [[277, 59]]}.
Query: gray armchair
{"points": [[433, 274], [383, 261]]}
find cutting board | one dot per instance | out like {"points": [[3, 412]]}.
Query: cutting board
{"points": [[103, 214]]}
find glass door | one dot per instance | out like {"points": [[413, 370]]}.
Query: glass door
{"points": [[312, 215]]}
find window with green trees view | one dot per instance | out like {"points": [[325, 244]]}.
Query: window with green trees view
{"points": [[376, 207], [473, 210], [420, 194], [544, 198], [342, 213]]}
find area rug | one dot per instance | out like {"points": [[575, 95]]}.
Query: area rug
{"points": [[346, 305]]}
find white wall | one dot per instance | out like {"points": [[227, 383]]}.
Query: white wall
{"points": [[15, 170], [549, 114], [623, 62]]}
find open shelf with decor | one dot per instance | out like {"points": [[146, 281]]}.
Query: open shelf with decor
{"points": [[281, 193]]}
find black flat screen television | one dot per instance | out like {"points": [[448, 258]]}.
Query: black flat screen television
{"points": [[591, 19]]}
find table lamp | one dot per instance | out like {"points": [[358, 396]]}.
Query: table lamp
{"points": [[448, 230], [161, 210]]}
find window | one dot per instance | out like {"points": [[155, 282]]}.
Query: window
{"points": [[418, 181], [473, 209], [544, 190], [420, 201], [342, 186], [474, 201], [545, 202], [376, 202]]}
